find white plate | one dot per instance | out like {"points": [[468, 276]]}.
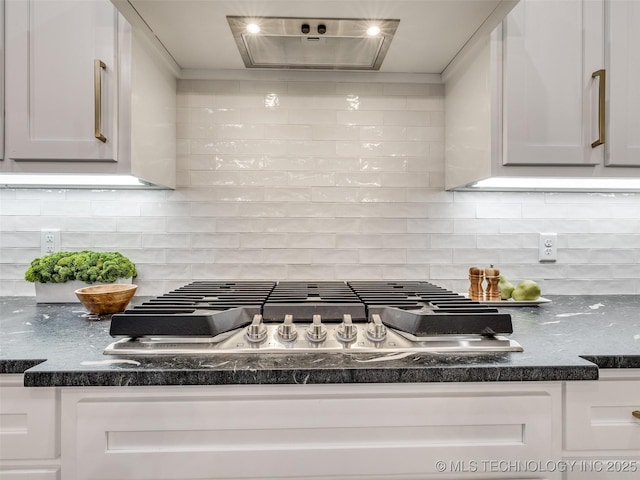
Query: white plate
{"points": [[514, 303]]}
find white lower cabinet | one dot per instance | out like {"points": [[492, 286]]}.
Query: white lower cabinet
{"points": [[29, 431], [602, 436], [579, 430], [311, 431]]}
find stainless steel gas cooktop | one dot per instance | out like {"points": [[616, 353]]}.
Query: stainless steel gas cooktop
{"points": [[218, 317]]}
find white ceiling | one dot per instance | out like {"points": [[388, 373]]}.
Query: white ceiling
{"points": [[431, 32]]}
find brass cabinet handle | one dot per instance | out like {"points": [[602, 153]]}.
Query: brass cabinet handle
{"points": [[602, 89], [636, 413], [98, 65]]}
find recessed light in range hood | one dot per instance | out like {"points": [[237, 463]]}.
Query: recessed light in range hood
{"points": [[312, 43]]}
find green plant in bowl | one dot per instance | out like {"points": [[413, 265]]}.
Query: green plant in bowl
{"points": [[86, 266]]}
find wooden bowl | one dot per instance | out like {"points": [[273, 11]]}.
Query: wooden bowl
{"points": [[103, 299]]}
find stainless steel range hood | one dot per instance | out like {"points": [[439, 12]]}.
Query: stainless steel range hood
{"points": [[316, 43], [195, 37]]}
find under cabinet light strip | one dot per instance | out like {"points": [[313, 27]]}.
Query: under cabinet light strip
{"points": [[55, 180], [557, 184]]}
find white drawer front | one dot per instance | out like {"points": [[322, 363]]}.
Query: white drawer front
{"points": [[28, 420], [31, 474], [598, 416], [276, 437]]}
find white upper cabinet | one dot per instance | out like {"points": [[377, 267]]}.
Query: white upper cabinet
{"points": [[56, 98], [552, 94], [86, 96], [623, 94], [551, 49]]}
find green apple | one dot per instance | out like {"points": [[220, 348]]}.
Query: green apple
{"points": [[526, 290], [506, 288]]}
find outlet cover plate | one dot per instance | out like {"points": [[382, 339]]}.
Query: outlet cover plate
{"points": [[49, 241], [548, 247]]}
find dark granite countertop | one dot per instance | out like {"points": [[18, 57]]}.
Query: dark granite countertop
{"points": [[567, 339]]}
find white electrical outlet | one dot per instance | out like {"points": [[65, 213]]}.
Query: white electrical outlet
{"points": [[49, 241], [548, 247]]}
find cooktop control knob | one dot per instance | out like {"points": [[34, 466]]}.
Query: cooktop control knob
{"points": [[346, 331], [317, 332], [256, 332], [287, 330], [376, 331]]}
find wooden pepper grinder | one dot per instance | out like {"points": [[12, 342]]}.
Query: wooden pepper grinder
{"points": [[476, 291], [492, 275]]}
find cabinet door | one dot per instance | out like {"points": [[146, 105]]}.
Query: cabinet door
{"points": [[599, 417], [551, 49], [623, 35], [51, 47], [29, 423], [281, 431]]}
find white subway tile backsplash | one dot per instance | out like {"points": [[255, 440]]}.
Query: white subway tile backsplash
{"points": [[427, 225], [141, 224], [324, 180], [215, 240], [394, 240], [290, 132], [311, 179], [317, 210], [240, 256], [383, 256], [384, 195], [359, 240], [358, 179], [262, 240], [335, 132], [191, 224], [359, 117], [613, 255], [602, 225], [455, 241], [289, 195], [239, 194], [167, 271], [20, 240], [302, 256], [165, 209], [35, 223], [430, 256], [410, 272], [240, 225], [408, 89], [406, 118], [382, 225], [115, 209], [165, 240], [262, 211], [317, 117], [409, 179], [19, 207], [358, 272], [334, 256], [310, 272]]}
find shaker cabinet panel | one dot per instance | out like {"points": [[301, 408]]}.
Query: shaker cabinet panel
{"points": [[623, 34], [31, 474], [550, 50], [599, 416], [29, 425], [324, 432], [54, 89]]}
